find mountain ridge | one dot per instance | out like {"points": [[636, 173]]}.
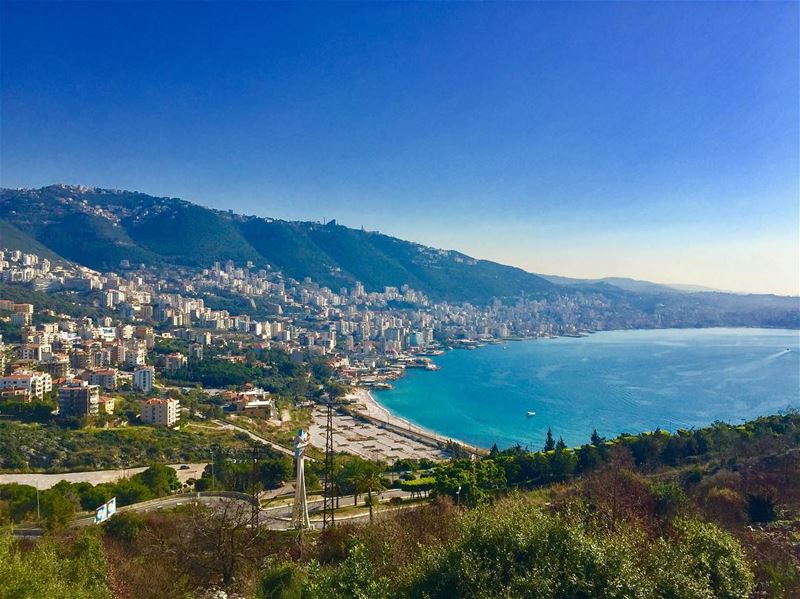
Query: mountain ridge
{"points": [[101, 227]]}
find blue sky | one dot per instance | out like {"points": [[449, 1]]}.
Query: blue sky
{"points": [[652, 140]]}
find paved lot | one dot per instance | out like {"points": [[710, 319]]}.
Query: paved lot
{"points": [[368, 440]]}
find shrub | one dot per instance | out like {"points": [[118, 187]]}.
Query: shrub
{"points": [[669, 499], [283, 581], [124, 526], [53, 571], [418, 485], [761, 508], [726, 506], [519, 551], [700, 561]]}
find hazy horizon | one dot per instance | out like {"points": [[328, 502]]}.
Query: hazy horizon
{"points": [[651, 141]]}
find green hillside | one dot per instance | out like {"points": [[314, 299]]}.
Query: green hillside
{"points": [[14, 239], [189, 234], [99, 228]]}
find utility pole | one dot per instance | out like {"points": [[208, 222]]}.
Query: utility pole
{"points": [[327, 495], [38, 513]]}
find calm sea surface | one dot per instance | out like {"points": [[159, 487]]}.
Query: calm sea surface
{"points": [[618, 381]]}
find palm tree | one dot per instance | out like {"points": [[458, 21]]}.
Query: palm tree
{"points": [[367, 480]]}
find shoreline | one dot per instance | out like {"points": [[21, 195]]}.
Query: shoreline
{"points": [[376, 411]]}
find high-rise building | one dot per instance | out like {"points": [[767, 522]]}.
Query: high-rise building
{"points": [[105, 377]]}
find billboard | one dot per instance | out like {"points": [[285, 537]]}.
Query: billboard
{"points": [[101, 514], [105, 511]]}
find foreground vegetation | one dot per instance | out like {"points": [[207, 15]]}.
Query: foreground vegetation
{"points": [[56, 507], [711, 513]]}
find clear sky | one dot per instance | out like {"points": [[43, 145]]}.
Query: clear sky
{"points": [[654, 140]]}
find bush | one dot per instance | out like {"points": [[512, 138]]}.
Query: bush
{"points": [[418, 485], [761, 508], [519, 551], [160, 479], [669, 499], [54, 571], [725, 506], [124, 526], [284, 581], [700, 561]]}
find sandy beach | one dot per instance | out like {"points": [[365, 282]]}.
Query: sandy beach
{"points": [[366, 404], [379, 434], [376, 410]]}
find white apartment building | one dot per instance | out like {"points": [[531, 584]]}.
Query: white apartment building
{"points": [[34, 384], [160, 412], [143, 379]]}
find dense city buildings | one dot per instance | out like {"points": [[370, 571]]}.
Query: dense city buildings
{"points": [[182, 325]]}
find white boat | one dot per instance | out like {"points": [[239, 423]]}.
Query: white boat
{"points": [[531, 414]]}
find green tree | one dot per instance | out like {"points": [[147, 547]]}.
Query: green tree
{"points": [[124, 526], [160, 479], [130, 491], [57, 508], [75, 571], [596, 439], [520, 551], [20, 501], [275, 470], [549, 443], [367, 479]]}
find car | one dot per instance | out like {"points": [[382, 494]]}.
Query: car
{"points": [[184, 467]]}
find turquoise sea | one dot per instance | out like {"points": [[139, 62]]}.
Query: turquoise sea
{"points": [[616, 381]]}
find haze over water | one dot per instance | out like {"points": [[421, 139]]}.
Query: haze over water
{"points": [[617, 381]]}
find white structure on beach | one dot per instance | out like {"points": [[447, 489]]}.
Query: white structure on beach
{"points": [[300, 511]]}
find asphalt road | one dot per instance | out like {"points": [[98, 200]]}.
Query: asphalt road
{"points": [[275, 517]]}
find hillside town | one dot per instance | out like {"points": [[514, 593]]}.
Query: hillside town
{"points": [[145, 330], [368, 337]]}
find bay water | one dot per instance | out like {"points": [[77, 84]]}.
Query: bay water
{"points": [[615, 382]]}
